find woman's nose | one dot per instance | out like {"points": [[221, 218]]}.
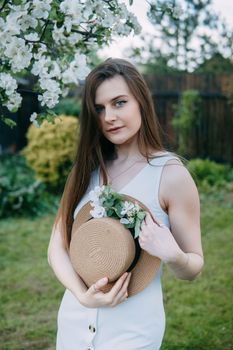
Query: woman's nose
{"points": [[110, 114]]}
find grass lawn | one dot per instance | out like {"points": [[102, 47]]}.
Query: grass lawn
{"points": [[199, 313]]}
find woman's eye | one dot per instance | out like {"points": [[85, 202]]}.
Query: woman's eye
{"points": [[120, 103]]}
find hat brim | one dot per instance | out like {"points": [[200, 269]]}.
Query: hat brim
{"points": [[143, 272]]}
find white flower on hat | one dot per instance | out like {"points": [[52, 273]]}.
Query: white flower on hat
{"points": [[98, 212], [127, 207], [107, 203], [124, 221], [95, 195]]}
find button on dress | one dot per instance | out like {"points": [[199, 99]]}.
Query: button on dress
{"points": [[137, 323]]}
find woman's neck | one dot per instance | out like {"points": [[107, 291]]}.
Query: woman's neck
{"points": [[128, 152]]}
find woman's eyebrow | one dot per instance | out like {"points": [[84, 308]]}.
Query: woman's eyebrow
{"points": [[113, 99]]}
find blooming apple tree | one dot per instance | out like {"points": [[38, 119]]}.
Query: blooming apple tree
{"points": [[51, 39]]}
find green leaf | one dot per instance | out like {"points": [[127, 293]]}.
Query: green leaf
{"points": [[11, 123], [110, 212], [137, 228], [108, 203], [118, 209], [141, 214], [130, 2], [129, 225]]}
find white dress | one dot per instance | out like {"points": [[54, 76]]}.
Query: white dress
{"points": [[139, 322]]}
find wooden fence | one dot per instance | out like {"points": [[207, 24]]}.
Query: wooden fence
{"points": [[213, 137]]}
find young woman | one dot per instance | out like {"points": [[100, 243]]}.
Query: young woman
{"points": [[120, 144]]}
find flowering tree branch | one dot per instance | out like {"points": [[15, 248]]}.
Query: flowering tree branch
{"points": [[51, 39], [3, 5]]}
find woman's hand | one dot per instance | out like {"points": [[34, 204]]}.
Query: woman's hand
{"points": [[157, 240], [94, 298]]}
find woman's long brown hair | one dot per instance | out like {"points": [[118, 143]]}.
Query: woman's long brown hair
{"points": [[93, 148]]}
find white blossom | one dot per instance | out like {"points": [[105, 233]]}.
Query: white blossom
{"points": [[87, 12], [58, 34], [74, 38], [40, 67], [8, 83], [122, 29], [41, 50], [41, 8], [77, 70], [55, 70], [33, 119], [19, 53], [69, 76], [49, 84], [71, 7], [13, 47], [133, 19], [22, 7], [124, 221], [49, 98], [32, 37], [68, 24], [12, 24], [108, 21], [27, 22], [177, 11], [95, 194], [13, 102], [123, 11], [98, 212], [127, 207]]}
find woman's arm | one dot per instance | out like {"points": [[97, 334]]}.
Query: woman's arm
{"points": [[180, 247], [182, 201], [187, 266], [59, 260]]}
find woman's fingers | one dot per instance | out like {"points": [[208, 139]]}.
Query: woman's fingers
{"points": [[102, 282], [124, 298], [151, 220], [116, 295], [148, 219], [99, 284], [125, 284], [120, 286], [122, 295]]}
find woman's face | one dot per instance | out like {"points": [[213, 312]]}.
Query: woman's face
{"points": [[118, 110]]}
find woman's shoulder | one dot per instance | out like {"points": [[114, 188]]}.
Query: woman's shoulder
{"points": [[176, 180], [165, 157]]}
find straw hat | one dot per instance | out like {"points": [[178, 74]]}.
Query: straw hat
{"points": [[104, 247]]}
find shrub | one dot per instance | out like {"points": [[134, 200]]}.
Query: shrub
{"points": [[210, 173], [20, 193], [187, 118], [51, 149]]}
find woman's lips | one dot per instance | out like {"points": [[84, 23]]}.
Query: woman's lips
{"points": [[114, 130]]}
